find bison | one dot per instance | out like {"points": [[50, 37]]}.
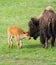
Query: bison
{"points": [[44, 26]]}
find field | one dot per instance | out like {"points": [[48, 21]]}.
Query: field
{"points": [[18, 13]]}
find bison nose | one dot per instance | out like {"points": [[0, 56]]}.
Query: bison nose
{"points": [[29, 38]]}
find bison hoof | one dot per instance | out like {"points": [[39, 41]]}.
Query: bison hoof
{"points": [[46, 47]]}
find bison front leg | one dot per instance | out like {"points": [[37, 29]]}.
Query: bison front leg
{"points": [[46, 43], [43, 45], [52, 40], [42, 40]]}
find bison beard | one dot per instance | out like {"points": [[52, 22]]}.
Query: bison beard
{"points": [[45, 27]]}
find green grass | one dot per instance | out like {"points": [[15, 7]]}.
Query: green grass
{"points": [[19, 12]]}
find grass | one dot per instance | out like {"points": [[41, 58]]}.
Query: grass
{"points": [[19, 12]]}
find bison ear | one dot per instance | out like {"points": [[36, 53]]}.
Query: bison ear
{"points": [[35, 21]]}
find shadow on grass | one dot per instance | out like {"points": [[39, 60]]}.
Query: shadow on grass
{"points": [[33, 46]]}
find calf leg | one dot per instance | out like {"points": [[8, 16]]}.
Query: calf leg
{"points": [[20, 44], [9, 40], [17, 42]]}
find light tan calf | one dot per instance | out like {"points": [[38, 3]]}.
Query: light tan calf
{"points": [[18, 34]]}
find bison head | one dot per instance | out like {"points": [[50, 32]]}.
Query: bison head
{"points": [[34, 27]]}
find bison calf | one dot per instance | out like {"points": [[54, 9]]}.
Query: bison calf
{"points": [[18, 34]]}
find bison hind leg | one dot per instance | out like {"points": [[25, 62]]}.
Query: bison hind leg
{"points": [[52, 40]]}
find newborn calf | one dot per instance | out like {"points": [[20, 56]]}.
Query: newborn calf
{"points": [[18, 34]]}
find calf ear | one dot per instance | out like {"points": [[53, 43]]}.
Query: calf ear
{"points": [[35, 21]]}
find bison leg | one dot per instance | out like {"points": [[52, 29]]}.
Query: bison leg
{"points": [[52, 40], [46, 43], [42, 40]]}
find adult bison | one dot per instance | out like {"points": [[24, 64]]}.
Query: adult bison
{"points": [[44, 26]]}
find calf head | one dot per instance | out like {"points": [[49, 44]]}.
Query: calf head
{"points": [[27, 35]]}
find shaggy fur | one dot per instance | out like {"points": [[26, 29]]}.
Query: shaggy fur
{"points": [[44, 26], [34, 28]]}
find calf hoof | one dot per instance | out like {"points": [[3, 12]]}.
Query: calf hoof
{"points": [[12, 46], [8, 46], [20, 47]]}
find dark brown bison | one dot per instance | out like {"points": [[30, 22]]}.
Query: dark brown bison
{"points": [[34, 28], [44, 26]]}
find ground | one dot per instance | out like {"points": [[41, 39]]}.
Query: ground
{"points": [[18, 13]]}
